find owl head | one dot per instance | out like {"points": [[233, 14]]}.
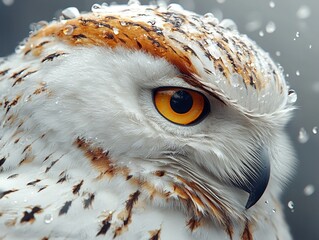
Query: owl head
{"points": [[181, 101]]}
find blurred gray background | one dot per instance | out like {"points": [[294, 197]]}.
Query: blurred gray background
{"points": [[287, 29]]}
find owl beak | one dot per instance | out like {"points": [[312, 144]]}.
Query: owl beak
{"points": [[256, 185]]}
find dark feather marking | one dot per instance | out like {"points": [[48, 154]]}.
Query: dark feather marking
{"points": [[155, 235], [42, 188], [20, 79], [26, 148], [13, 176], [4, 72], [63, 177], [193, 223], [65, 208], [2, 160], [76, 188], [47, 157], [13, 103], [33, 182], [52, 56], [51, 165], [88, 202], [128, 212], [14, 75], [29, 216], [247, 234], [105, 225], [79, 36], [2, 194]]}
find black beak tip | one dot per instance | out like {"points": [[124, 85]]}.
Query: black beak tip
{"points": [[257, 184]]}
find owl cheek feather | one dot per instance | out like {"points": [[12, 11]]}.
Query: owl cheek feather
{"points": [[257, 178]]}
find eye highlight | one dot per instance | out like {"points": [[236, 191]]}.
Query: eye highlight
{"points": [[180, 105]]}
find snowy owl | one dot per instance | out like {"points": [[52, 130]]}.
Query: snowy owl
{"points": [[142, 122]]}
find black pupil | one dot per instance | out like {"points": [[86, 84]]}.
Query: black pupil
{"points": [[181, 102]]}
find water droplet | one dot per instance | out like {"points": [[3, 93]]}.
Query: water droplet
{"points": [[175, 7], [236, 79], [309, 190], [297, 34], [48, 218], [270, 27], [133, 2], [292, 96], [272, 4], [96, 7], [274, 210], [266, 202], [71, 12], [298, 73], [303, 136], [315, 130], [19, 48], [116, 31], [228, 24], [8, 2], [278, 53], [291, 205], [261, 33], [253, 25], [221, 1], [123, 23], [287, 75], [34, 27], [210, 18], [303, 12], [152, 22], [68, 30]]}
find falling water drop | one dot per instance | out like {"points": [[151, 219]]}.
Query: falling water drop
{"points": [[278, 53], [315, 130], [292, 96], [270, 27], [298, 73], [303, 12], [274, 210], [309, 190], [8, 2], [261, 33], [310, 46], [253, 25], [291, 205], [272, 4], [303, 136]]}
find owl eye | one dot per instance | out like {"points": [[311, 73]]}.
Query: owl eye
{"points": [[180, 105]]}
